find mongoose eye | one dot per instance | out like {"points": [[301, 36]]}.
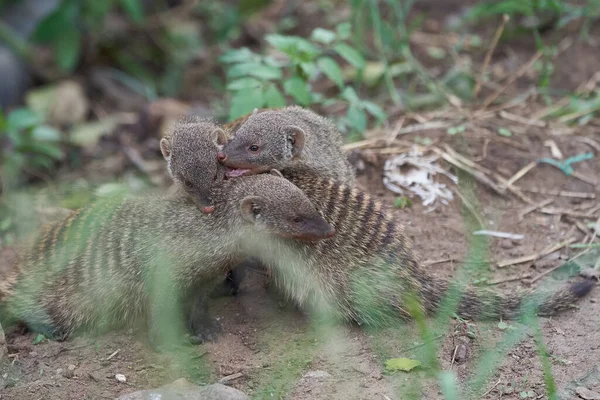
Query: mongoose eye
{"points": [[256, 210], [253, 148], [188, 184], [297, 219]]}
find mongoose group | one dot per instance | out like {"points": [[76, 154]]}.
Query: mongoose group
{"points": [[330, 247]]}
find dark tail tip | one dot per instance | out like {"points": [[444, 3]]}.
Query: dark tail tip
{"points": [[582, 288]]}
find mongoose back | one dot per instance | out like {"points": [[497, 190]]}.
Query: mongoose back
{"points": [[369, 266], [276, 138], [366, 270], [98, 268]]}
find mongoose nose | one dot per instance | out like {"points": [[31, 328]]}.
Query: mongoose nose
{"points": [[221, 156], [331, 233], [208, 209]]}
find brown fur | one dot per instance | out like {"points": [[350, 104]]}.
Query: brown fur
{"points": [[99, 267], [285, 137], [366, 271]]}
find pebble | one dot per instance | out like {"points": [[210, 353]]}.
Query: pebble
{"points": [[587, 394], [71, 367], [121, 378], [317, 375]]}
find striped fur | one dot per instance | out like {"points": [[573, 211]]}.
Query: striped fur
{"points": [[101, 267], [366, 271]]}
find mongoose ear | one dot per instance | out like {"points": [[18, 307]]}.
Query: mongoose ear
{"points": [[251, 208], [165, 148], [276, 172], [296, 138], [219, 137]]}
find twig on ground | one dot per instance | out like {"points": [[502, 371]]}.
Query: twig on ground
{"points": [[533, 257], [534, 207], [488, 56], [522, 120], [561, 193], [440, 261], [422, 344], [521, 172], [492, 388], [509, 279], [113, 354], [562, 211]]}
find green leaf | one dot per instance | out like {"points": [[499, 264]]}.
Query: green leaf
{"points": [[350, 55], [401, 364], [46, 133], [402, 202], [264, 72], [235, 56], [331, 70], [308, 68], [344, 30], [504, 132], [22, 118], [67, 48], [47, 149], [357, 118], [245, 101], [273, 97], [298, 89], [243, 83], [134, 9], [87, 134], [294, 46], [51, 27], [375, 110], [323, 35], [39, 338], [456, 129], [350, 95], [502, 325]]}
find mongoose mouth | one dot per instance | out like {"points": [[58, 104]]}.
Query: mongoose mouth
{"points": [[236, 172]]}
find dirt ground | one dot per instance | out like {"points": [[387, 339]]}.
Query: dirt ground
{"points": [[270, 350]]}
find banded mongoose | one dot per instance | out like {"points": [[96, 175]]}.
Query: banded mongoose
{"points": [[277, 138], [365, 271], [118, 261]]}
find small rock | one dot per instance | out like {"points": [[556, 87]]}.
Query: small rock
{"points": [[71, 367], [587, 394], [461, 353], [121, 378], [69, 374], [590, 273], [33, 354], [59, 371], [316, 375]]}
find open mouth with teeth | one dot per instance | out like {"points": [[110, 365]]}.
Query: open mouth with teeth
{"points": [[236, 172]]}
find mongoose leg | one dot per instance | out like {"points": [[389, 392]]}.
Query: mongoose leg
{"points": [[201, 325]]}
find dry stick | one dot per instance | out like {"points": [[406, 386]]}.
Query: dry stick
{"points": [[492, 388], [522, 172], [562, 211], [536, 256], [480, 176], [504, 184], [584, 178], [488, 56], [525, 121], [534, 207], [509, 279], [441, 261], [561, 193], [564, 44]]}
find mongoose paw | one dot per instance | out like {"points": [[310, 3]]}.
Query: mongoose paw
{"points": [[208, 331]]}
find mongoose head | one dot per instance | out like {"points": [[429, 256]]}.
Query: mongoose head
{"points": [[275, 205], [190, 150], [266, 140]]}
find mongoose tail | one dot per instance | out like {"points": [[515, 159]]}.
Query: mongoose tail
{"points": [[482, 304]]}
